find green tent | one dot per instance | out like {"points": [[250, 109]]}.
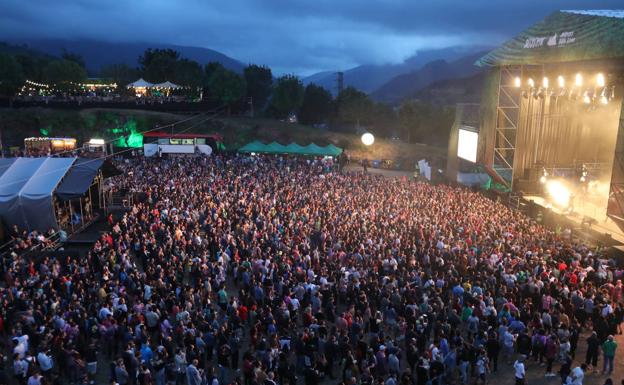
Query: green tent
{"points": [[255, 146], [564, 36], [292, 148]]}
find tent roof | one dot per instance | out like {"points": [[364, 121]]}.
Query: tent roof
{"points": [[5, 163], [564, 36], [292, 148], [17, 175], [46, 178], [139, 83], [79, 178], [166, 84]]}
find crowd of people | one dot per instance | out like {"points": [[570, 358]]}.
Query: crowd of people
{"points": [[268, 270]]}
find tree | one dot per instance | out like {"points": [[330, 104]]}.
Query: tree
{"points": [[188, 73], [354, 107], [384, 119], [76, 58], [226, 87], [158, 65], [317, 105], [122, 74], [11, 75], [259, 81], [62, 72], [425, 123], [287, 95]]}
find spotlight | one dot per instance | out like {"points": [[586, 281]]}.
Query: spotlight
{"points": [[586, 98], [544, 176], [578, 81], [558, 192], [561, 81], [600, 80], [545, 82], [517, 82], [531, 83]]}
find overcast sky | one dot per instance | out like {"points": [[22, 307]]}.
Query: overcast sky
{"points": [[289, 35]]}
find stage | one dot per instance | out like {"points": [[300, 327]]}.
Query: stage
{"points": [[586, 215]]}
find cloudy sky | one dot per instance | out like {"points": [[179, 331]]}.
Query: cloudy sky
{"points": [[300, 36]]}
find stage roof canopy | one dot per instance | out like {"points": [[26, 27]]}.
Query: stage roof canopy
{"points": [[564, 36]]}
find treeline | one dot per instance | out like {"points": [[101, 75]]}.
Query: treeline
{"points": [[255, 90]]}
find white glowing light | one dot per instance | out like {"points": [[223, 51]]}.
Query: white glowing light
{"points": [[578, 81], [97, 141], [545, 82], [561, 81], [368, 139], [600, 80], [517, 82], [558, 192]]}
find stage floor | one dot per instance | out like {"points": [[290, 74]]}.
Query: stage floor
{"points": [[602, 223]]}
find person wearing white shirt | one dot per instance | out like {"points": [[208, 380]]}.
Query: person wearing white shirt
{"points": [[21, 345], [45, 362], [519, 371], [577, 375], [20, 369], [35, 379]]}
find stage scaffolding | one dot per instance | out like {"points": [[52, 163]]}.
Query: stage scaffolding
{"points": [[508, 116]]}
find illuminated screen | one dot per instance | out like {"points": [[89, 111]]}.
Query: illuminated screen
{"points": [[467, 145]]}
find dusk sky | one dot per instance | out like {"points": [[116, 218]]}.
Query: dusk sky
{"points": [[289, 35]]}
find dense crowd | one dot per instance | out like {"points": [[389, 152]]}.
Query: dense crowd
{"points": [[264, 270]]}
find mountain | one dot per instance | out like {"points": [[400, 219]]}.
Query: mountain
{"points": [[407, 85], [370, 77], [98, 54], [452, 91]]}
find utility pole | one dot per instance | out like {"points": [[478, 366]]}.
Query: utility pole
{"points": [[340, 81], [251, 107]]}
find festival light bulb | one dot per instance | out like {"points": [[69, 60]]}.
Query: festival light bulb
{"points": [[368, 139]]}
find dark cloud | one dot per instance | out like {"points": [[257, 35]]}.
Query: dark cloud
{"points": [[289, 35]]}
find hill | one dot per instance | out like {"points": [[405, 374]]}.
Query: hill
{"points": [[407, 85], [236, 131], [368, 78], [452, 91], [98, 54]]}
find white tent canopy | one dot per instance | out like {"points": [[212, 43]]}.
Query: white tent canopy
{"points": [[167, 84], [140, 83]]}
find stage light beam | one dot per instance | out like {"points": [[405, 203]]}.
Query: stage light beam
{"points": [[559, 193]]}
